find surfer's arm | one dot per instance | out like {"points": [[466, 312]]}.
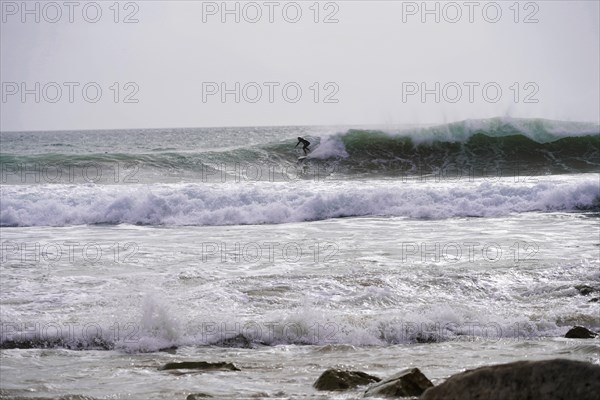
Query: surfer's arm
{"points": [[297, 144]]}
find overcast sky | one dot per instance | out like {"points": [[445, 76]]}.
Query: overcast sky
{"points": [[153, 64]]}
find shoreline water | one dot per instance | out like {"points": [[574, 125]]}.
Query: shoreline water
{"points": [[271, 372]]}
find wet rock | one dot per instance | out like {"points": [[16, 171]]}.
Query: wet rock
{"points": [[585, 289], [52, 343], [198, 396], [522, 380], [579, 332], [410, 382], [170, 350], [238, 341], [594, 300], [201, 365], [30, 344], [426, 338], [336, 379], [4, 395]]}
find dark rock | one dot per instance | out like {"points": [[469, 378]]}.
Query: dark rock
{"points": [[585, 289], [336, 379], [203, 365], [197, 396], [522, 380], [15, 394], [237, 341], [594, 300], [57, 342], [579, 332], [170, 350], [30, 344], [65, 397], [426, 338], [410, 382]]}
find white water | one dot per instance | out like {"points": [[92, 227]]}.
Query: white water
{"points": [[234, 203], [487, 290]]}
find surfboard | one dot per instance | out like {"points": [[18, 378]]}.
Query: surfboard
{"points": [[302, 158]]}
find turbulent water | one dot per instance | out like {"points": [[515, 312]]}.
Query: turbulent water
{"points": [[443, 247]]}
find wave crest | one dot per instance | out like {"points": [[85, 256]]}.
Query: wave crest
{"points": [[235, 204]]}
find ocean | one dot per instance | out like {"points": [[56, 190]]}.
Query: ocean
{"points": [[443, 247]]}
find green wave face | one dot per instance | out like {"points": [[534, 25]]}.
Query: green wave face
{"points": [[372, 152], [532, 146]]}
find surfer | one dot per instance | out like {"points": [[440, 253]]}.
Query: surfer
{"points": [[305, 144]]}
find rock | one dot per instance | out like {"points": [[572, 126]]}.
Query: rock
{"points": [[197, 396], [410, 382], [238, 341], [336, 379], [170, 350], [594, 300], [203, 365], [13, 394], [585, 289], [65, 397], [579, 332], [57, 342], [522, 380]]}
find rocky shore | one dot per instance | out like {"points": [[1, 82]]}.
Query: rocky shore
{"points": [[552, 379], [555, 379]]}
